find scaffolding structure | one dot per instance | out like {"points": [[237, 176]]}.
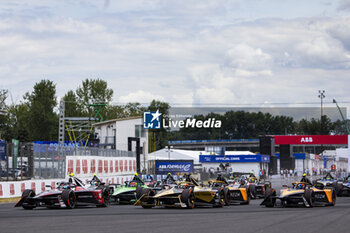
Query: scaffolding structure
{"points": [[79, 129]]}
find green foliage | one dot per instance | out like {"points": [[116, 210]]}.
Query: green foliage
{"points": [[3, 97], [72, 108], [93, 91], [42, 120]]}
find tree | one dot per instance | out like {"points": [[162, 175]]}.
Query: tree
{"points": [[72, 108], [42, 120], [3, 97], [93, 91], [3, 117]]}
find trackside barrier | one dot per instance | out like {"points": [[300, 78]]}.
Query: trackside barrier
{"points": [[16, 188], [86, 166]]}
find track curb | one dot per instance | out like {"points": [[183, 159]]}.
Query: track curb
{"points": [[9, 199]]}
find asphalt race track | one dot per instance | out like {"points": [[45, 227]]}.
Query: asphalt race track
{"points": [[126, 218]]}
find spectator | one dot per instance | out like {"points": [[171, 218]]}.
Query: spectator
{"points": [[282, 175]]}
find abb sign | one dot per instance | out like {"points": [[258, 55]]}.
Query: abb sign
{"points": [[311, 139]]}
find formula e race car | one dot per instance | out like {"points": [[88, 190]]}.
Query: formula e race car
{"points": [[185, 194], [126, 194], [234, 194], [344, 187], [329, 182], [256, 188], [67, 195], [300, 194]]}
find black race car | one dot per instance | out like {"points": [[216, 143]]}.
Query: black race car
{"points": [[255, 187], [67, 195]]}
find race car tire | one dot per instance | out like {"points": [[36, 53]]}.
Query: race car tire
{"points": [[147, 192], [220, 199], [310, 197], [106, 198], [339, 189], [334, 197], [227, 196], [269, 200], [187, 197], [252, 191], [28, 193], [69, 198], [139, 192], [27, 206]]}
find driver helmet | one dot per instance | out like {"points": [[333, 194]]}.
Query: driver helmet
{"points": [[304, 175], [71, 175], [95, 175]]}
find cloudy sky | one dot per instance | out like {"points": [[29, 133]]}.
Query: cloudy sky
{"points": [[187, 52]]}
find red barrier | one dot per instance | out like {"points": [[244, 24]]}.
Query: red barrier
{"points": [[105, 166], [23, 187], [12, 189], [111, 166], [100, 169], [116, 166], [121, 165], [1, 192], [85, 166], [134, 165], [33, 185], [77, 167], [42, 186], [126, 165], [93, 166], [53, 185], [130, 165], [70, 166]]}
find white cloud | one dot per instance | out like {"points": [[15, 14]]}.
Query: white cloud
{"points": [[180, 52], [140, 96], [344, 5]]}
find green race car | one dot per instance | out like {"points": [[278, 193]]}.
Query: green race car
{"points": [[126, 194]]}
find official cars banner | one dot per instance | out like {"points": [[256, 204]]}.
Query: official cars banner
{"points": [[234, 158]]}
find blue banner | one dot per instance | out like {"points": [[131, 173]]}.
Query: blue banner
{"points": [[234, 158], [2, 150], [165, 167]]}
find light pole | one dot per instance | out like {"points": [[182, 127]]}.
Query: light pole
{"points": [[347, 129], [321, 96], [342, 116], [169, 149]]}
